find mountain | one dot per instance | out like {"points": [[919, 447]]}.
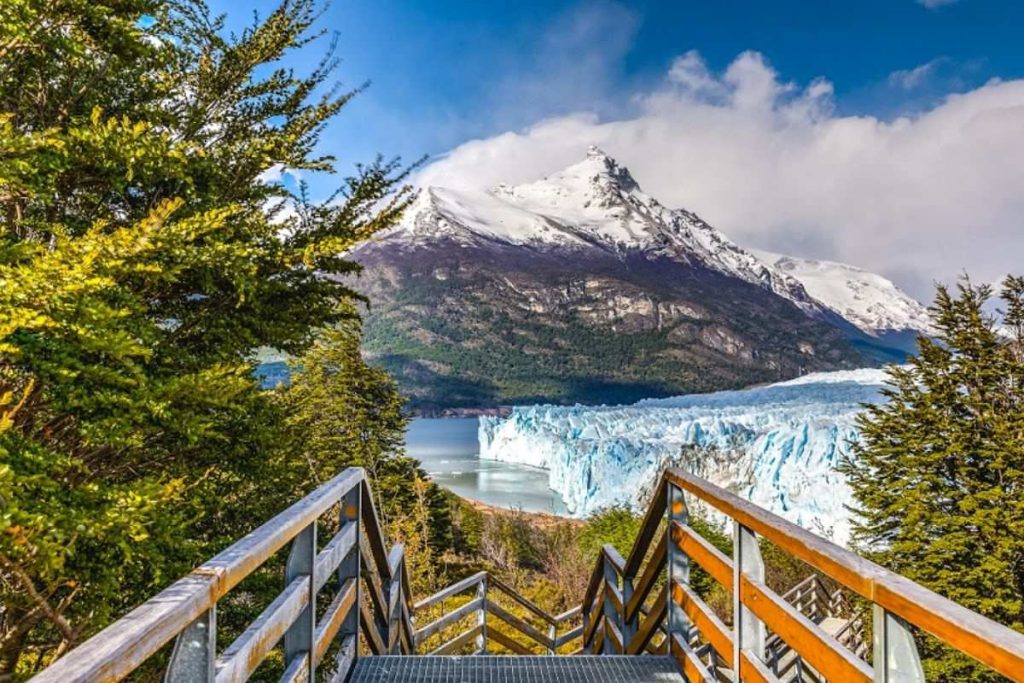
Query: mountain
{"points": [[775, 445], [582, 288], [871, 302]]}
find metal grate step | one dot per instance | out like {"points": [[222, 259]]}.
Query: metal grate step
{"points": [[497, 669]]}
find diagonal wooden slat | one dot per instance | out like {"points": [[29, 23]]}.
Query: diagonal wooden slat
{"points": [[520, 625], [454, 589], [448, 619], [642, 588], [245, 654], [328, 625], [705, 621], [459, 641], [703, 553], [692, 667], [530, 606], [370, 632], [650, 624], [826, 655]]}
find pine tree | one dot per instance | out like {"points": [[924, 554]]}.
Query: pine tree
{"points": [[344, 413], [938, 478], [144, 258]]}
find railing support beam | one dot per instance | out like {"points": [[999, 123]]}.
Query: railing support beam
{"points": [[748, 630], [895, 653], [628, 626], [195, 651], [351, 568], [481, 617], [611, 614], [299, 638], [678, 562]]}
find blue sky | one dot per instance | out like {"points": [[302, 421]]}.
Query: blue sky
{"points": [[443, 71], [858, 131]]}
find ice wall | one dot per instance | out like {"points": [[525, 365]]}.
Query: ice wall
{"points": [[776, 445]]}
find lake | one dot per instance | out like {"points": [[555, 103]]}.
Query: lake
{"points": [[449, 451]]}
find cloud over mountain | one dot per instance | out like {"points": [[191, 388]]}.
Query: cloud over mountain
{"points": [[773, 164]]}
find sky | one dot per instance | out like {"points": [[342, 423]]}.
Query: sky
{"points": [[884, 133]]}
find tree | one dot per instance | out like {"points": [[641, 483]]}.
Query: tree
{"points": [[344, 413], [938, 478], [145, 255]]}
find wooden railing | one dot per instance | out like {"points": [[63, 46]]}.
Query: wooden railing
{"points": [[559, 630], [372, 598], [614, 619], [644, 603]]}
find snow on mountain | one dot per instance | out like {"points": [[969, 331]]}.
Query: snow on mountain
{"points": [[594, 203], [776, 445], [869, 301]]}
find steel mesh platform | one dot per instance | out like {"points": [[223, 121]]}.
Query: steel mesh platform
{"points": [[497, 669]]}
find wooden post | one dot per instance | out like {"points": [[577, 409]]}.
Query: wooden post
{"points": [[481, 617], [552, 634], [195, 651], [351, 568], [895, 653], [611, 615], [394, 594], [677, 562], [628, 627], [298, 639], [748, 630]]}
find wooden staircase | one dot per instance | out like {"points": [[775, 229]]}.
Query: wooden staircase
{"points": [[345, 613]]}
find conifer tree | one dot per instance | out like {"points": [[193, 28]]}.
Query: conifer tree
{"points": [[146, 254], [346, 413], [938, 478]]}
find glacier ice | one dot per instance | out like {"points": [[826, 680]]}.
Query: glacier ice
{"points": [[775, 445]]}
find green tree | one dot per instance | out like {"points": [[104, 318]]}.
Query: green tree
{"points": [[939, 476], [145, 256], [343, 413]]}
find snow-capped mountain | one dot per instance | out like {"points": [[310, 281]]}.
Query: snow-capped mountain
{"points": [[580, 287], [594, 203], [776, 445], [871, 302]]}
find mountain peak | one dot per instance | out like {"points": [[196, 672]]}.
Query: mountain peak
{"points": [[598, 181], [599, 168]]}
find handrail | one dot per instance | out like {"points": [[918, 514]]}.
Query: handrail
{"points": [[770, 635], [185, 610], [483, 606], [614, 617], [992, 644]]}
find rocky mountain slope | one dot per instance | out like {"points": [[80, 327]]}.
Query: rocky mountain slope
{"points": [[582, 288]]}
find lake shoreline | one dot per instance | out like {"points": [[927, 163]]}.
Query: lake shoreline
{"points": [[449, 451], [456, 413]]}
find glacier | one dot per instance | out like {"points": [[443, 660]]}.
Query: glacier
{"points": [[776, 445]]}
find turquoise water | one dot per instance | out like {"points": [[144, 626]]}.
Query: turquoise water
{"points": [[449, 451]]}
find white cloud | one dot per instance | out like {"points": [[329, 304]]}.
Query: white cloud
{"points": [[278, 174], [932, 4], [909, 79], [774, 166]]}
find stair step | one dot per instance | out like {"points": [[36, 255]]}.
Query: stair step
{"points": [[498, 669]]}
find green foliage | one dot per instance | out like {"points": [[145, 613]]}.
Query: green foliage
{"points": [[939, 478], [345, 413], [144, 260], [617, 526], [705, 586], [466, 339]]}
